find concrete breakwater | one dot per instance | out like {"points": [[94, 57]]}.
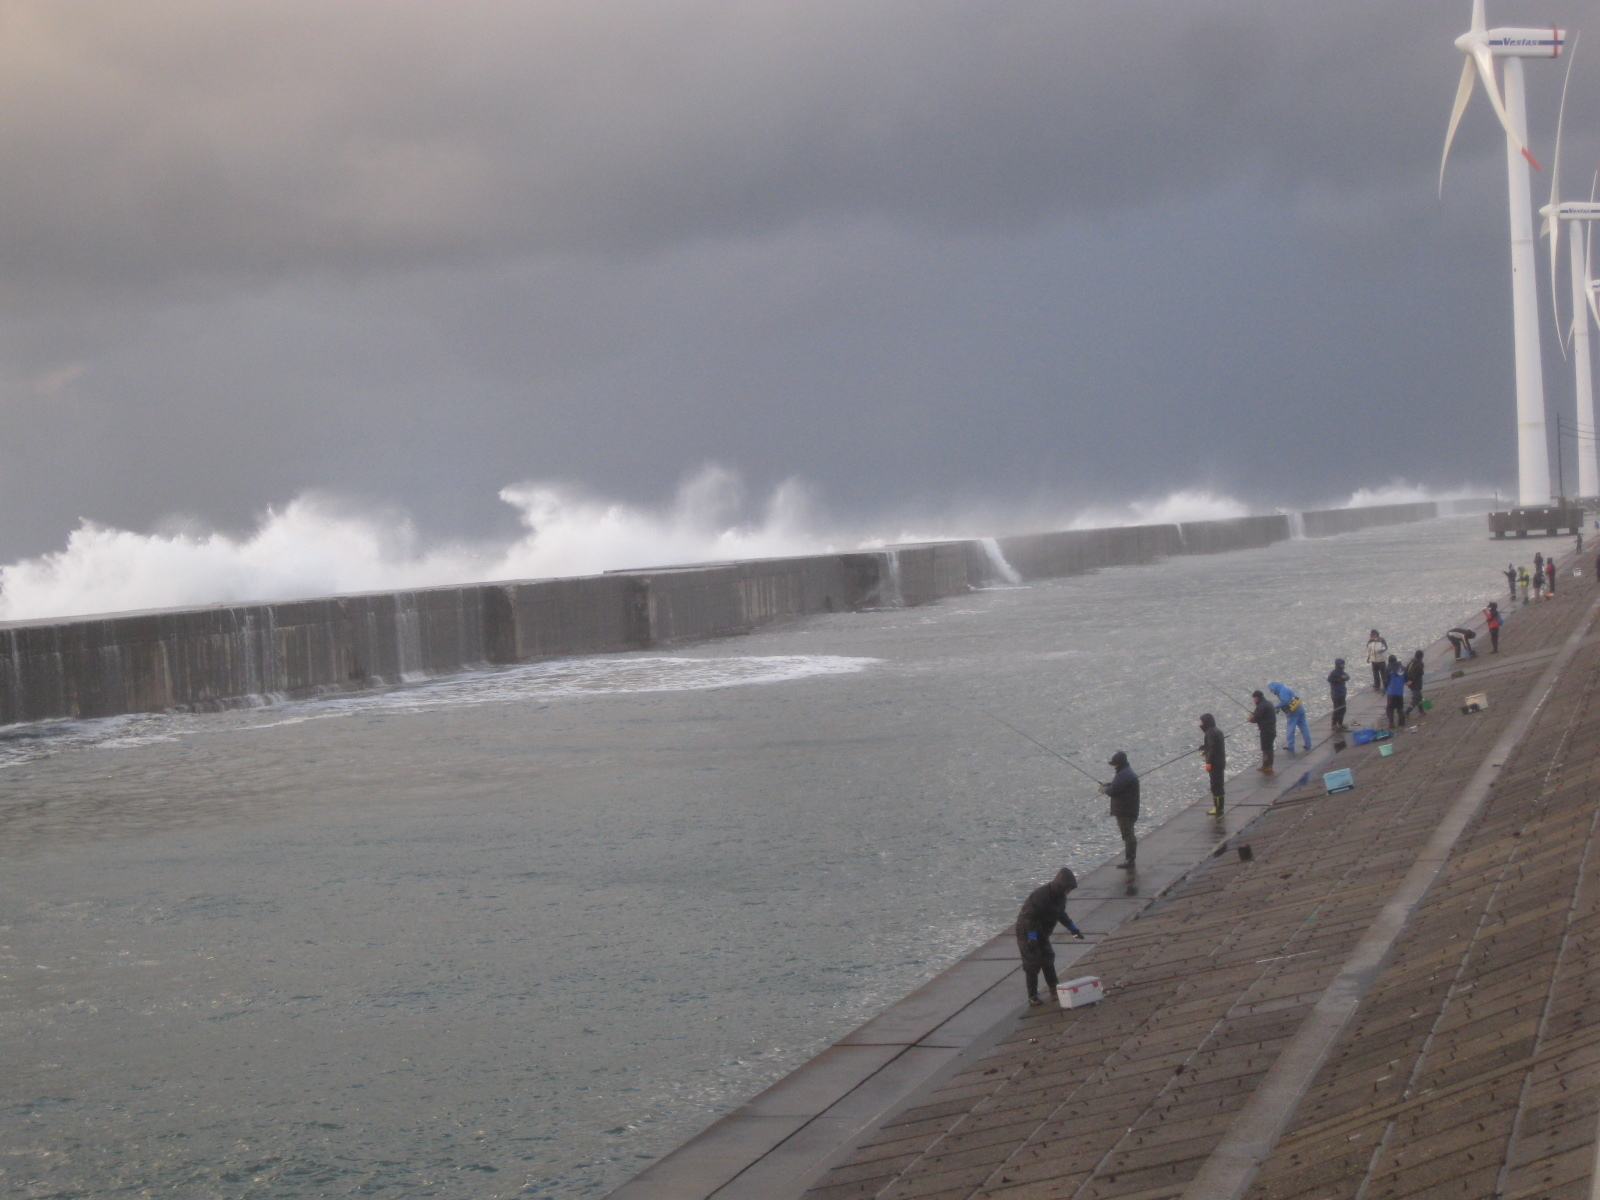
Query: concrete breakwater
{"points": [[227, 655]]}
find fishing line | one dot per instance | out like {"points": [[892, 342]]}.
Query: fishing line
{"points": [[1227, 695], [1045, 748]]}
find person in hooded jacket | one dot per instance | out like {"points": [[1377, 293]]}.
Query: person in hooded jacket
{"points": [[1294, 714], [1265, 718], [1338, 681], [1511, 579], [1214, 753], [1040, 912], [1550, 575], [1415, 673], [1395, 691], [1491, 620], [1123, 791]]}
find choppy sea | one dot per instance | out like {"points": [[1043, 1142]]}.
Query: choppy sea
{"points": [[517, 933]]}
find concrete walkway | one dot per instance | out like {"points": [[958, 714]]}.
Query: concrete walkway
{"points": [[783, 1140], [1387, 1000]]}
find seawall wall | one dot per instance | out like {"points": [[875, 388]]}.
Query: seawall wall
{"points": [[225, 655], [1346, 520]]}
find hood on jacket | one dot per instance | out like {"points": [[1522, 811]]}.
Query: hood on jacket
{"points": [[1065, 880], [1207, 721], [1283, 694], [1118, 760]]}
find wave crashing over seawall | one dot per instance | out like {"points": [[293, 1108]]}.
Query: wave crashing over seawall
{"points": [[315, 546]]}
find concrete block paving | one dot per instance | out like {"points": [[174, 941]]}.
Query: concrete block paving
{"points": [[1470, 1067]]}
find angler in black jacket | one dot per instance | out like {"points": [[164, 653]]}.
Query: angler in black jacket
{"points": [[1040, 912], [1338, 680], [1265, 718], [1124, 793], [1214, 753]]}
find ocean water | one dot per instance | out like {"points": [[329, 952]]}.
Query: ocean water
{"points": [[517, 933]]}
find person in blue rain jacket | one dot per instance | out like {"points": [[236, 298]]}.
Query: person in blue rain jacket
{"points": [[1394, 690], [1294, 714]]}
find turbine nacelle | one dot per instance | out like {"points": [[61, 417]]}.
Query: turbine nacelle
{"points": [[1575, 210], [1509, 42]]}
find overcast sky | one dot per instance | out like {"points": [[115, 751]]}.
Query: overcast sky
{"points": [[917, 254]]}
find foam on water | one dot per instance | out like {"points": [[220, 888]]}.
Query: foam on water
{"points": [[590, 677], [534, 682]]}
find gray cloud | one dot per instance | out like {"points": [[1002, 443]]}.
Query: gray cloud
{"points": [[189, 141], [909, 251]]}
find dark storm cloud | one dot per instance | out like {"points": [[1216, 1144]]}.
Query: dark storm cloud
{"points": [[157, 143], [912, 252]]}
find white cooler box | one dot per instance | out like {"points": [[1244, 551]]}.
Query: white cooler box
{"points": [[1077, 993]]}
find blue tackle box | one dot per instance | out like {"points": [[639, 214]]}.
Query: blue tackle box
{"points": [[1339, 781]]}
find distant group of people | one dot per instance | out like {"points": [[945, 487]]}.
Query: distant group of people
{"points": [[1400, 684], [1541, 582], [1394, 679]]}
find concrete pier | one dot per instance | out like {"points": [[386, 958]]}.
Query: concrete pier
{"points": [[229, 655], [1391, 996]]}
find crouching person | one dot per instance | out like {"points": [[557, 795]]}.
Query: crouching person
{"points": [[1044, 908]]}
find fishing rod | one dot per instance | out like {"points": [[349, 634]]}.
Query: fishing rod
{"points": [[1047, 749], [1228, 695], [1142, 774], [1180, 757]]}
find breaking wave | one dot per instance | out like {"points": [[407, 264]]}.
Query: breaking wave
{"points": [[315, 545], [1398, 491], [1172, 509]]}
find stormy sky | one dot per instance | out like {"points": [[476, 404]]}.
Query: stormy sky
{"points": [[919, 255]]}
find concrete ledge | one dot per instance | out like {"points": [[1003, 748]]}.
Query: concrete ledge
{"points": [[230, 655], [872, 1072]]}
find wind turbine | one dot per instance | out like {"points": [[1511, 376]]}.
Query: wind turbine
{"points": [[1578, 214], [1482, 46]]}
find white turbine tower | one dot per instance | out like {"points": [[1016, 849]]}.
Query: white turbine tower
{"points": [[1578, 214], [1482, 46]]}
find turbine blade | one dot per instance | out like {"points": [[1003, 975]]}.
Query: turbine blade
{"points": [[1479, 24], [1463, 94], [1553, 219], [1485, 61]]}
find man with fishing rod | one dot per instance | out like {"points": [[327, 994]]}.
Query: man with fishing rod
{"points": [[1123, 792], [1265, 718], [1338, 680], [1214, 754]]}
